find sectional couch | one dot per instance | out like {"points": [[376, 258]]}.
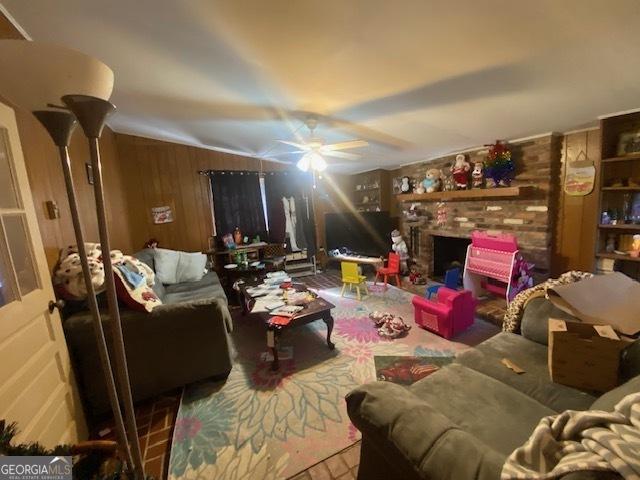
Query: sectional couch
{"points": [[464, 420]]}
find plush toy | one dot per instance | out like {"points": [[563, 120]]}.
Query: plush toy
{"points": [[405, 186], [448, 184], [432, 180], [399, 246], [460, 170], [477, 175], [415, 277], [419, 189]]}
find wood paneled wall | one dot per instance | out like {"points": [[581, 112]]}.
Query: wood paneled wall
{"points": [[47, 183], [159, 173], [577, 218]]}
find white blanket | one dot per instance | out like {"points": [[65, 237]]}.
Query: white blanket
{"points": [[68, 274], [575, 441]]}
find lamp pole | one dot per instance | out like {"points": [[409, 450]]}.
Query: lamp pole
{"points": [[60, 125], [91, 113]]}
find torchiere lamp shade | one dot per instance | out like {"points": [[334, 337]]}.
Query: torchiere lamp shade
{"points": [[35, 75]]}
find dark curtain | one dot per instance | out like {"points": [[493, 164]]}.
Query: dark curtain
{"points": [[279, 185], [237, 202]]}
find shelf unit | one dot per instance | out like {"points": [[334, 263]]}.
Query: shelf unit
{"points": [[371, 191], [623, 171], [504, 192]]}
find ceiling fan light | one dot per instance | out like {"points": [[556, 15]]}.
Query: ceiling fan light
{"points": [[318, 163], [304, 163]]}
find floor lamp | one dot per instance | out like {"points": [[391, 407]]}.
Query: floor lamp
{"points": [[36, 76]]}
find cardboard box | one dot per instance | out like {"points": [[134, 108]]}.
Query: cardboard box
{"points": [[584, 356]]}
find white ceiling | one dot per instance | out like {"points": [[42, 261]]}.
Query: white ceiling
{"points": [[416, 78]]}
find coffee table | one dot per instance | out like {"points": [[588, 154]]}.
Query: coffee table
{"points": [[318, 309]]}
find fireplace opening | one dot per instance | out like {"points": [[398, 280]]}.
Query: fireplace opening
{"points": [[448, 252]]}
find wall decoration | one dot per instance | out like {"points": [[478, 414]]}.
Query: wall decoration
{"points": [[500, 169], [162, 214], [441, 214], [629, 143], [580, 176]]}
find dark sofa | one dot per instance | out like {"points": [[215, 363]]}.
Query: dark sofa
{"points": [[181, 341], [464, 420]]}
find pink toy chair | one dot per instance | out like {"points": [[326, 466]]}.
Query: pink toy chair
{"points": [[451, 314], [391, 270]]}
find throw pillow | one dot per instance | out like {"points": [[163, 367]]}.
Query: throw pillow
{"points": [[140, 297], [166, 263], [191, 267]]}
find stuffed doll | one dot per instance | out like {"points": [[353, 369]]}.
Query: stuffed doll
{"points": [[477, 175], [405, 186], [399, 246], [432, 181], [460, 171], [448, 184]]}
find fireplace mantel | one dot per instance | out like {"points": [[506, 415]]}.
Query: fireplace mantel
{"points": [[510, 192]]}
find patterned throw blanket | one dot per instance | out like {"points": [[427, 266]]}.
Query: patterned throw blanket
{"points": [[575, 441], [515, 310], [69, 280]]}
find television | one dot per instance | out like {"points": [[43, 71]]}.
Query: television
{"points": [[365, 233]]}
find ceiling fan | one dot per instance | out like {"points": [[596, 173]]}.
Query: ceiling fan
{"points": [[314, 150]]}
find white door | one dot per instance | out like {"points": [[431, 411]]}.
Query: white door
{"points": [[37, 387]]}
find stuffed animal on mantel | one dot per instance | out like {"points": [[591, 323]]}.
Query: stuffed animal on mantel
{"points": [[448, 183], [460, 171], [477, 175], [432, 180]]}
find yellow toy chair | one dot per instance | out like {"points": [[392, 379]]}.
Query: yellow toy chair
{"points": [[351, 276]]}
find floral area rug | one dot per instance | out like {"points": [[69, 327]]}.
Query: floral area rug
{"points": [[260, 424]]}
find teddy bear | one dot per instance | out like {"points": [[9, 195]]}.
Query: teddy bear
{"points": [[431, 182], [477, 175], [460, 170]]}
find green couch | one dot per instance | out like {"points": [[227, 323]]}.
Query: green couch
{"points": [[181, 341], [464, 420]]}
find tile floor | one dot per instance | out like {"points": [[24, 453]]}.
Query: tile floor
{"points": [[155, 420]]}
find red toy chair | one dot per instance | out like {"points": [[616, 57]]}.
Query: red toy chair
{"points": [[391, 270], [451, 314]]}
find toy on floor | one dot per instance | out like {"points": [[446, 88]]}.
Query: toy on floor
{"points": [[450, 314], [415, 277], [388, 325], [451, 278]]}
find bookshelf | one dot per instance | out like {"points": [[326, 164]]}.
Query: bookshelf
{"points": [[619, 195]]}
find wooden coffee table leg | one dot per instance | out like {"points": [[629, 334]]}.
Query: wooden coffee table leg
{"points": [[329, 321], [273, 344]]}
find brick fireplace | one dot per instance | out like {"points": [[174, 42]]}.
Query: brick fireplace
{"points": [[529, 217]]}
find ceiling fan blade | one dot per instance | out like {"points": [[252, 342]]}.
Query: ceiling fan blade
{"points": [[345, 155], [301, 146], [345, 145], [280, 154]]}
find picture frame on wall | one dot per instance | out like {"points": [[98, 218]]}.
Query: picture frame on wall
{"points": [[161, 215], [629, 143]]}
